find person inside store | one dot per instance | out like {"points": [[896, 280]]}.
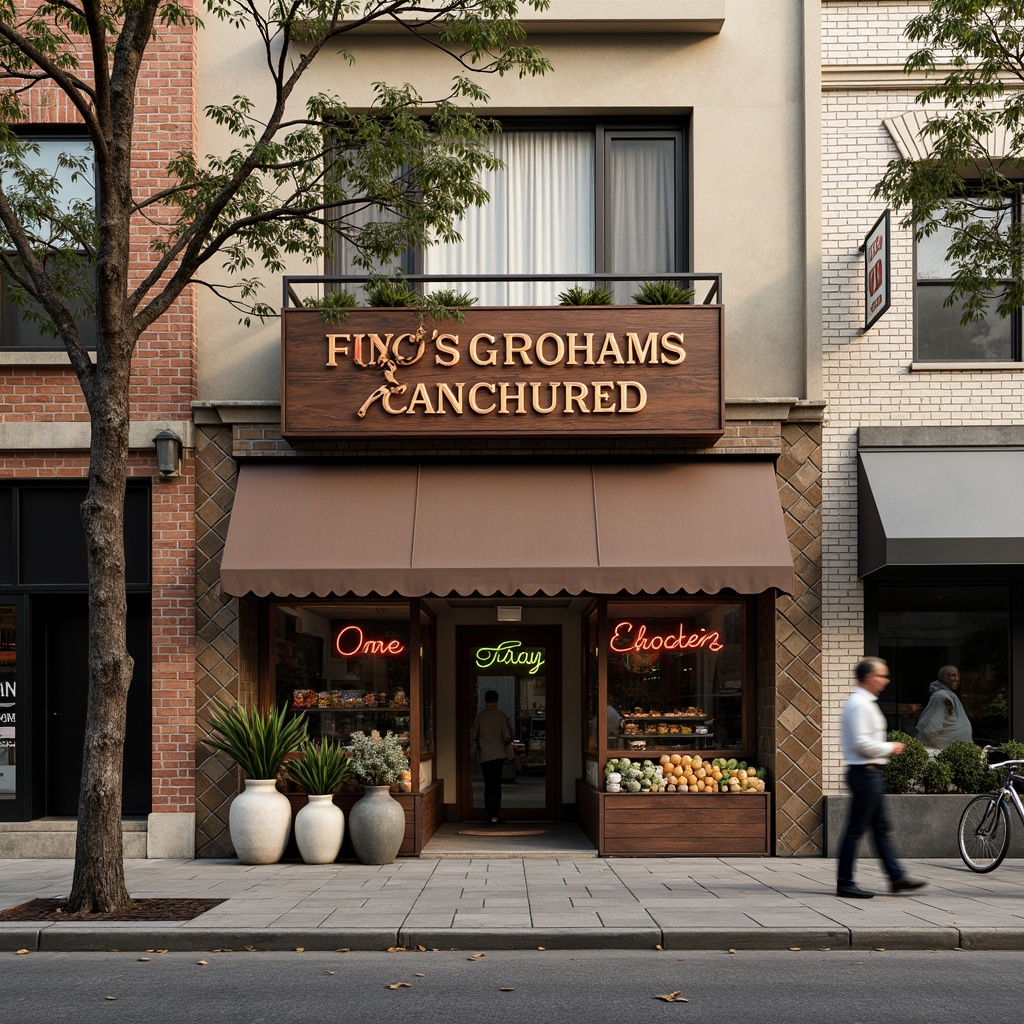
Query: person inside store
{"points": [[944, 720], [490, 742], [862, 731], [614, 721]]}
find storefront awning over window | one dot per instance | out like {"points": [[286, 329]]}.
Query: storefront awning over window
{"points": [[941, 507], [413, 530]]}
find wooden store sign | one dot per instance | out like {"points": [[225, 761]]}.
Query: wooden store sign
{"points": [[524, 371]]}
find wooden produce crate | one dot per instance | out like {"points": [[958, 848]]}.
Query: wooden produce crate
{"points": [[675, 824]]}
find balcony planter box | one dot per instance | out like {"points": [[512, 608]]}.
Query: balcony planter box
{"points": [[923, 824], [675, 824]]}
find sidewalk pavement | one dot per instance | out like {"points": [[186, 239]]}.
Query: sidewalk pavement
{"points": [[525, 903]]}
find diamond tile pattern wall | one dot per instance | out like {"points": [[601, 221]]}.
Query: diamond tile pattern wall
{"points": [[797, 699], [217, 635]]}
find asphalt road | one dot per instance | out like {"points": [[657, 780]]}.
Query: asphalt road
{"points": [[546, 987]]}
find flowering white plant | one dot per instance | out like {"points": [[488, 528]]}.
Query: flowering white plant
{"points": [[377, 760]]}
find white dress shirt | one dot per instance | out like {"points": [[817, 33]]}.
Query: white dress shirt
{"points": [[862, 729]]}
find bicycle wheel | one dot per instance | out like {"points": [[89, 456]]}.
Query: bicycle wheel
{"points": [[984, 833]]}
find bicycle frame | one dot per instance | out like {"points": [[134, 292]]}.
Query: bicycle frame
{"points": [[1007, 790]]}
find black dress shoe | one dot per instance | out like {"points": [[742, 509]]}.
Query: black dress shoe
{"points": [[906, 884], [854, 892]]}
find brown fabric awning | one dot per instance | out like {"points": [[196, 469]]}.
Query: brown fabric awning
{"points": [[298, 530]]}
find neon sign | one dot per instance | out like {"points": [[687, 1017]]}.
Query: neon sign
{"points": [[624, 639], [350, 643], [509, 652]]}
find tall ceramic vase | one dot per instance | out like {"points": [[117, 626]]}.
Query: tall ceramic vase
{"points": [[259, 821], [319, 829], [377, 825]]}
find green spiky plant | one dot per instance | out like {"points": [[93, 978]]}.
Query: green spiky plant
{"points": [[449, 298], [578, 295], [333, 304], [392, 291], [321, 768], [662, 293], [258, 741]]}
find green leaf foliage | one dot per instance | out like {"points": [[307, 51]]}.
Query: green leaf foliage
{"points": [[903, 770], [579, 295], [662, 293], [936, 777], [321, 768], [973, 54], [258, 741], [377, 760], [968, 765], [392, 291]]}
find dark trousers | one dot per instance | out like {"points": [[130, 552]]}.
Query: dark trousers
{"points": [[867, 814], [491, 771]]}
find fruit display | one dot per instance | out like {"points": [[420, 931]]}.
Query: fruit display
{"points": [[682, 773]]}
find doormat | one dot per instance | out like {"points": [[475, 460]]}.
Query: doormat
{"points": [[491, 834]]}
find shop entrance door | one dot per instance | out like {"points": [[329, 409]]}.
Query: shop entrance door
{"points": [[523, 666]]}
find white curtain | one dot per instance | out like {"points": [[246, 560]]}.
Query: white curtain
{"points": [[641, 216], [540, 219]]}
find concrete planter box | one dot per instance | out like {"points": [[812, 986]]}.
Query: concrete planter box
{"points": [[923, 824]]}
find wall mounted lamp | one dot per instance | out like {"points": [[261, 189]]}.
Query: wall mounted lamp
{"points": [[510, 613], [168, 453]]}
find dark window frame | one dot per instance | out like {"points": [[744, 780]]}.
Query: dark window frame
{"points": [[8, 310], [604, 132], [1016, 319]]}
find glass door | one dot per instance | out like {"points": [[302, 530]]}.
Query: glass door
{"points": [[13, 744], [521, 668]]}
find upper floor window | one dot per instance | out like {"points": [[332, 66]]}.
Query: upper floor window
{"points": [[940, 335], [569, 200], [69, 160]]}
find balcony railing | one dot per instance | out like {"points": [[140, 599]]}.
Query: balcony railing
{"points": [[301, 290]]}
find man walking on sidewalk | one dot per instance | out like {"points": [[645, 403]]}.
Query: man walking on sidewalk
{"points": [[865, 750]]}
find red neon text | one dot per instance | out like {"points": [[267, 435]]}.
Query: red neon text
{"points": [[350, 642], [624, 640]]}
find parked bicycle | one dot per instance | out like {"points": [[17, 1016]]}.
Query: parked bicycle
{"points": [[984, 832]]}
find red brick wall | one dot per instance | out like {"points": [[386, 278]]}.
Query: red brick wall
{"points": [[163, 388]]}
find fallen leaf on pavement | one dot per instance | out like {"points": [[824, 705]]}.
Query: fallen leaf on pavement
{"points": [[111, 998], [477, 956], [400, 984], [732, 951], [795, 949], [145, 959], [22, 952], [202, 963], [300, 949], [329, 972], [673, 997], [506, 990]]}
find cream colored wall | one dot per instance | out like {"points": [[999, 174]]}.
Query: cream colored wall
{"points": [[745, 88]]}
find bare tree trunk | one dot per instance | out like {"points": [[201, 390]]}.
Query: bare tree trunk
{"points": [[98, 885]]}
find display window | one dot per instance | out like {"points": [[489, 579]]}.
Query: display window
{"points": [[942, 638], [678, 678], [8, 701], [349, 667]]}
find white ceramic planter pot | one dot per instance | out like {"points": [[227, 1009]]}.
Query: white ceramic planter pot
{"points": [[377, 824], [319, 829], [260, 821]]}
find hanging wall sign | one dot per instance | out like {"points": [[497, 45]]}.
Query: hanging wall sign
{"points": [[589, 371], [876, 271]]}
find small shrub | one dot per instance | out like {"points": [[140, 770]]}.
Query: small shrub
{"points": [[970, 770], [449, 298], [903, 770], [936, 777], [377, 760], [391, 291], [577, 295], [662, 293]]}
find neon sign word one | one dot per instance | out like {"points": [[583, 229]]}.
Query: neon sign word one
{"points": [[350, 643], [626, 638], [510, 652]]}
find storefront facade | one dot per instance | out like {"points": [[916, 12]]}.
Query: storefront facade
{"points": [[579, 508], [922, 526]]}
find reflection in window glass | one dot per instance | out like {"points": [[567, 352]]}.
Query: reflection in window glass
{"points": [[675, 676], [8, 701], [346, 666], [923, 629]]}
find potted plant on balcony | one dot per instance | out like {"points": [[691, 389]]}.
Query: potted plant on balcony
{"points": [[662, 293], [260, 817], [578, 295], [320, 769], [377, 821]]}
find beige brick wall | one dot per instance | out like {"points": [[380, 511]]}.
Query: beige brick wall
{"points": [[868, 378]]}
